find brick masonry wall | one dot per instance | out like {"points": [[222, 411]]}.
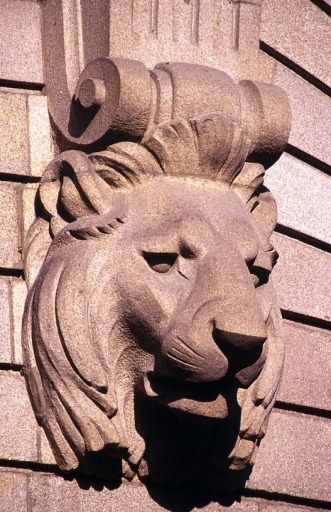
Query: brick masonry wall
{"points": [[292, 471]]}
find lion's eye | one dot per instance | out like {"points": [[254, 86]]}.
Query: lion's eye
{"points": [[160, 261]]}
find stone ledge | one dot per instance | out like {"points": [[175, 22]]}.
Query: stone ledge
{"points": [[53, 493], [284, 507]]}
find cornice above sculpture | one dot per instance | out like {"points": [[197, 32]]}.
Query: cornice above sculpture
{"points": [[151, 332]]}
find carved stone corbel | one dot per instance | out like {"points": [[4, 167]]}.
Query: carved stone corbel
{"points": [[151, 333]]}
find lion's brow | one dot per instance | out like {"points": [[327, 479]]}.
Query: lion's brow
{"points": [[96, 230]]}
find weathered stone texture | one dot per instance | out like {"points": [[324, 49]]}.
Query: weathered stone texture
{"points": [[218, 34], [307, 291], [310, 129], [294, 457], [17, 422], [13, 492], [170, 207], [28, 197], [266, 68], [10, 229], [283, 507], [54, 493], [5, 322], [44, 450], [39, 134], [20, 41], [307, 366], [299, 30], [12, 298], [303, 196], [19, 292], [25, 133], [14, 153]]}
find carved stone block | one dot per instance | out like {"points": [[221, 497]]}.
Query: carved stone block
{"points": [[10, 232], [151, 337], [18, 419]]}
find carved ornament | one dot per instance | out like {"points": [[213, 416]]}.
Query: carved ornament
{"points": [[151, 336]]}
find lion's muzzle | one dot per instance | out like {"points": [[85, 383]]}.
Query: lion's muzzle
{"points": [[217, 344], [211, 338]]}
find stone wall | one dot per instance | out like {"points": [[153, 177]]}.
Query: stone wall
{"points": [[292, 471]]}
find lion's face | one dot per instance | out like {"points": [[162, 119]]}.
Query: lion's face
{"points": [[186, 292]]}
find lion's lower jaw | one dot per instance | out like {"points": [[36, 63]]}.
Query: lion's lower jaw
{"points": [[183, 448], [197, 402], [198, 412]]}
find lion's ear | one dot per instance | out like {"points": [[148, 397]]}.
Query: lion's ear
{"points": [[69, 189]]}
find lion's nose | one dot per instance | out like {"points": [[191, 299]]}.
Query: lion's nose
{"points": [[240, 324]]}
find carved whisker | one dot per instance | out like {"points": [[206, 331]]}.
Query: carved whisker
{"points": [[183, 275], [85, 233], [106, 230], [97, 230], [173, 352], [189, 348], [177, 353], [182, 362]]}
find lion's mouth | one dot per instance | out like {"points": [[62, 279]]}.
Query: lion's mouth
{"points": [[201, 399]]}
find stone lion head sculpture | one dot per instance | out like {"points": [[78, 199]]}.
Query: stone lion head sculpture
{"points": [[151, 332]]}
